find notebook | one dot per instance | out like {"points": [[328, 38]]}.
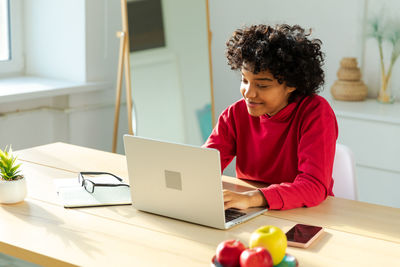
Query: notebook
{"points": [[179, 181], [73, 195]]}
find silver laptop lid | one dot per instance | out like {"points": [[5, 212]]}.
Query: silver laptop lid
{"points": [[175, 180]]}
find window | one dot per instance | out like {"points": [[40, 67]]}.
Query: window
{"points": [[11, 57], [4, 31]]}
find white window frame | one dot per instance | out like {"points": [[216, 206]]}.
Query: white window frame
{"points": [[15, 66]]}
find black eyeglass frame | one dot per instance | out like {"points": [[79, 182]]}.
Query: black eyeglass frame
{"points": [[82, 180]]}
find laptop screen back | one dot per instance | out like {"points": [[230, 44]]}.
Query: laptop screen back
{"points": [[175, 180]]}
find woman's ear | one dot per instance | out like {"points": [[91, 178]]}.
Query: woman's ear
{"points": [[290, 89]]}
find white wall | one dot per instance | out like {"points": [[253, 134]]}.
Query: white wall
{"points": [[54, 42], [71, 39], [102, 20]]}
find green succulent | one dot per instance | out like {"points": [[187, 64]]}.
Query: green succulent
{"points": [[8, 169]]}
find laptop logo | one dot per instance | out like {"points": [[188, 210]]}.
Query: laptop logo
{"points": [[173, 180]]}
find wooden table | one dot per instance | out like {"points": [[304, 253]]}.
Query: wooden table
{"points": [[41, 231]]}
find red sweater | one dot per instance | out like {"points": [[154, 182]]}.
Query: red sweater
{"points": [[293, 151]]}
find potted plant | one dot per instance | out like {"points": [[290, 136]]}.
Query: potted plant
{"points": [[12, 182], [386, 31]]}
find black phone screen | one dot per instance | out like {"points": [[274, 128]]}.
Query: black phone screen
{"points": [[302, 233]]}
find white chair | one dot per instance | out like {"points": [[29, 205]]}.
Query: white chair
{"points": [[343, 173]]}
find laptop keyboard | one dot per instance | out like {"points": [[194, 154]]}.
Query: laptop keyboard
{"points": [[231, 214]]}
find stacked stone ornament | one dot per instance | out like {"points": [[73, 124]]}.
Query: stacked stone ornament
{"points": [[349, 86]]}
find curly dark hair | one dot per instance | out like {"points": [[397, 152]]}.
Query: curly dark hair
{"points": [[283, 50]]}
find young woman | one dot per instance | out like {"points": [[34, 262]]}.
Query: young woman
{"points": [[281, 132]]}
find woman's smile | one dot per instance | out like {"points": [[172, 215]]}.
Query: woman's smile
{"points": [[253, 104]]}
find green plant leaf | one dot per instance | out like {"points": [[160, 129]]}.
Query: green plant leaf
{"points": [[9, 170], [376, 28]]}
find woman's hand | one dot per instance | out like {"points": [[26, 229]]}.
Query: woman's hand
{"points": [[243, 200]]}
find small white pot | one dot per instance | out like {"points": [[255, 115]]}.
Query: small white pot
{"points": [[12, 191]]}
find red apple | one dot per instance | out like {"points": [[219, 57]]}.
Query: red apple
{"points": [[256, 257], [228, 253]]}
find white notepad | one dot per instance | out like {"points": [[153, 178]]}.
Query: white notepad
{"points": [[73, 195]]}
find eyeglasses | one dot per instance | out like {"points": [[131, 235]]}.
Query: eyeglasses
{"points": [[89, 185]]}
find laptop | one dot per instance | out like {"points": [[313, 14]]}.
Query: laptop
{"points": [[180, 181]]}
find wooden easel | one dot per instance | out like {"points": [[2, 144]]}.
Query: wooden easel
{"points": [[209, 38], [123, 67]]}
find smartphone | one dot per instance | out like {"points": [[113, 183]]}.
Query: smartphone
{"points": [[302, 235]]}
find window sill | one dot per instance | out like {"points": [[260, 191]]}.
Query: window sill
{"points": [[30, 87]]}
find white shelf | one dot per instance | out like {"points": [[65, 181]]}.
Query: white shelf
{"points": [[370, 110]]}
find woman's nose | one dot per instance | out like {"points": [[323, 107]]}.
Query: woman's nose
{"points": [[249, 91]]}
